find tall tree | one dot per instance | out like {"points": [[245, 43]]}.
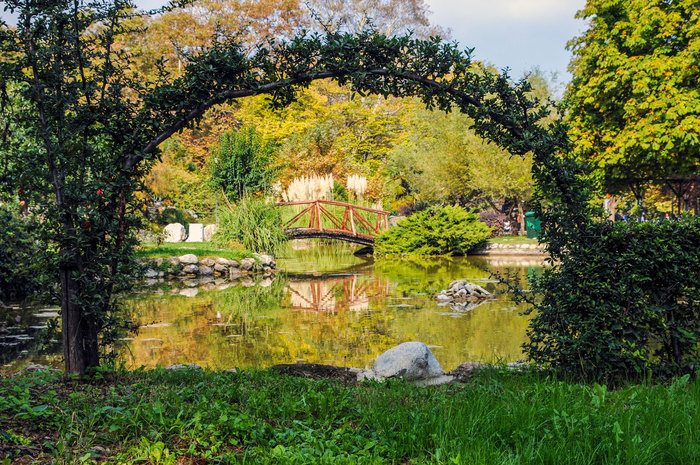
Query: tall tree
{"points": [[242, 163], [634, 99], [442, 160]]}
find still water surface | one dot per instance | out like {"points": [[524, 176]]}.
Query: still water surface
{"points": [[329, 307]]}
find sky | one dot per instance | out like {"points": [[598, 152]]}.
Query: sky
{"points": [[518, 34]]}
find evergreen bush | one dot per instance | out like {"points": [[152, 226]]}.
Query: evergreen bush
{"points": [[450, 230]]}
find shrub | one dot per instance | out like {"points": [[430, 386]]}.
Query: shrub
{"points": [[18, 257], [448, 230], [623, 302], [255, 224], [495, 221]]}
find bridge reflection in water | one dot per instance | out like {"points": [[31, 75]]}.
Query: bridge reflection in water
{"points": [[329, 295]]}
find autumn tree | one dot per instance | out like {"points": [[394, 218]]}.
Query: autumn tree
{"points": [[634, 99], [359, 130], [442, 160]]}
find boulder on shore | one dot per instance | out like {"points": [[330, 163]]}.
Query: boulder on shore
{"points": [[209, 231], [175, 232], [247, 264], [410, 360]]}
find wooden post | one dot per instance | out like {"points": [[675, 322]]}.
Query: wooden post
{"points": [[352, 221], [345, 219], [318, 217]]}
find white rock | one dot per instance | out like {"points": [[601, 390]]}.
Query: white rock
{"points": [[206, 271], [367, 374], [150, 273], [266, 260], [175, 232], [189, 259], [222, 261], [209, 231], [444, 379], [410, 360], [34, 368], [220, 268]]}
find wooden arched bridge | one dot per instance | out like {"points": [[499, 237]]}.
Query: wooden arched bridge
{"points": [[321, 219]]}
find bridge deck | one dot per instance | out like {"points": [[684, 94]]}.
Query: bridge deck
{"points": [[356, 224], [338, 234]]}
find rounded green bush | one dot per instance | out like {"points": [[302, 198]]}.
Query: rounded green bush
{"points": [[450, 230]]}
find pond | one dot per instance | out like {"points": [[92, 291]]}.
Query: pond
{"points": [[326, 306]]}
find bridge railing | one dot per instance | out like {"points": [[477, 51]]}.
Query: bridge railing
{"points": [[325, 215]]}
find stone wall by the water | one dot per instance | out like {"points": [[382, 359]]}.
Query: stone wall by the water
{"points": [[192, 266]]}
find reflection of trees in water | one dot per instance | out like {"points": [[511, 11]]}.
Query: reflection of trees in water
{"points": [[344, 319], [335, 294]]}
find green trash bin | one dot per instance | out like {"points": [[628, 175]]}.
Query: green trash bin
{"points": [[533, 225]]}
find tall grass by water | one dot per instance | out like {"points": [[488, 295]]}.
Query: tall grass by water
{"points": [[252, 223], [260, 417]]}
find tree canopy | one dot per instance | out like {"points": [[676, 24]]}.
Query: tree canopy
{"points": [[634, 101]]}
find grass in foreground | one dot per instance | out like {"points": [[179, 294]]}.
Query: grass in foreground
{"points": [[150, 250], [262, 417]]}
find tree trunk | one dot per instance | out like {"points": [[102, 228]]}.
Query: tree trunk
{"points": [[73, 353], [79, 328], [521, 218]]}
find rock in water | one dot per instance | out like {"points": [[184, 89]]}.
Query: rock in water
{"points": [[175, 232], [410, 360]]}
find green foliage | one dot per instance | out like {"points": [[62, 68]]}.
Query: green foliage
{"points": [[241, 163], [340, 193], [19, 256], [253, 223], [624, 303], [634, 98], [443, 160], [448, 230], [261, 417], [173, 215]]}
